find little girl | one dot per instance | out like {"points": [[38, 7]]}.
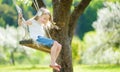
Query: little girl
{"points": [[37, 25]]}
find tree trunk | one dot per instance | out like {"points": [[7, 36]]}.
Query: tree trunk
{"points": [[12, 56], [61, 14], [66, 21]]}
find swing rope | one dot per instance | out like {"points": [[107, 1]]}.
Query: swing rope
{"points": [[36, 5], [25, 26]]}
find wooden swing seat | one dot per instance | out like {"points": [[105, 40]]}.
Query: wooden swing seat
{"points": [[30, 43]]}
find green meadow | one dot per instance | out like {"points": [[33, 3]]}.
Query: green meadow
{"points": [[77, 68]]}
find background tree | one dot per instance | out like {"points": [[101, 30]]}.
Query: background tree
{"points": [[66, 20], [8, 14], [88, 17], [104, 45]]}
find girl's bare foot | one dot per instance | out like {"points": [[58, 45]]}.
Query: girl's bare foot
{"points": [[55, 66]]}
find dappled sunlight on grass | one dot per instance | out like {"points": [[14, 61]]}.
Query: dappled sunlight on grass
{"points": [[45, 68], [101, 66], [25, 68], [97, 68]]}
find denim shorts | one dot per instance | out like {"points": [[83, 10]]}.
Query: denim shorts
{"points": [[45, 41]]}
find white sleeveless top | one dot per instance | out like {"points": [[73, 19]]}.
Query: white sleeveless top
{"points": [[36, 30]]}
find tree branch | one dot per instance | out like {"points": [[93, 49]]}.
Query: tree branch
{"points": [[75, 15], [40, 3]]}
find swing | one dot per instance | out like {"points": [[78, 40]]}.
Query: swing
{"points": [[28, 41]]}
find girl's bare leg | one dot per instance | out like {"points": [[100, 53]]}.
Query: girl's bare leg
{"points": [[55, 50]]}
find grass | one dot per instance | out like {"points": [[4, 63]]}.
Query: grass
{"points": [[97, 68], [25, 68], [77, 68]]}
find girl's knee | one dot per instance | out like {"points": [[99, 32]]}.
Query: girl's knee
{"points": [[58, 44]]}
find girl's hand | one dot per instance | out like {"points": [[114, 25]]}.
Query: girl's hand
{"points": [[20, 16], [20, 19]]}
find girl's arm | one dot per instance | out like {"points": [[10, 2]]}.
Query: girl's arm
{"points": [[22, 22], [28, 22]]}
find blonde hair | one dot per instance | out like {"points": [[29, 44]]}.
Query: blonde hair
{"points": [[43, 11]]}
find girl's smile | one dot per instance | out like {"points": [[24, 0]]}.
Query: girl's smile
{"points": [[44, 18]]}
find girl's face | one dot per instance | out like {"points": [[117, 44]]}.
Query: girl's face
{"points": [[44, 18]]}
